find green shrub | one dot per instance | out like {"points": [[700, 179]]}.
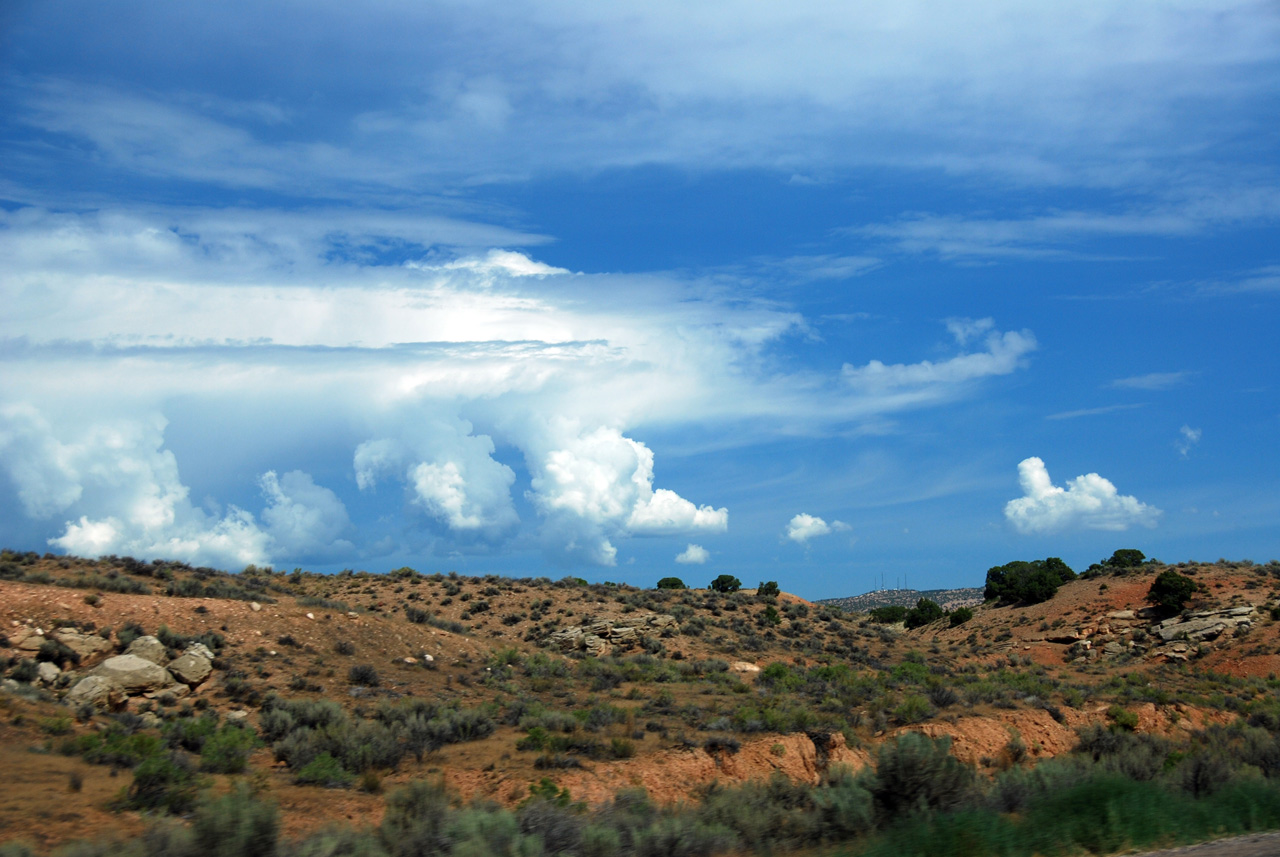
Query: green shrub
{"points": [[959, 616], [227, 751], [913, 709], [164, 782], [415, 820], [26, 671], [57, 653], [671, 583], [364, 675], [191, 733], [918, 774], [1122, 718], [324, 770], [238, 824], [888, 614], [768, 589]]}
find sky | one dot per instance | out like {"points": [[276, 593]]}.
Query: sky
{"points": [[843, 295]]}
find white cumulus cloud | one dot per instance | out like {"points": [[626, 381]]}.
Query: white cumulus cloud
{"points": [[693, 555], [598, 485], [304, 519], [121, 493], [1088, 502], [448, 471], [804, 527]]}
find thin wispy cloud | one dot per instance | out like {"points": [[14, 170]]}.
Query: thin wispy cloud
{"points": [[1094, 412], [1188, 437], [1152, 381]]}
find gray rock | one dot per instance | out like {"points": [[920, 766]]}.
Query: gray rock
{"points": [[662, 620], [594, 645], [87, 646], [237, 716], [567, 639], [102, 693], [149, 649], [191, 669], [32, 642], [134, 674], [47, 673], [624, 635], [199, 649]]}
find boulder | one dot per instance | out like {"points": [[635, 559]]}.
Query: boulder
{"points": [[87, 646], [102, 693], [134, 674], [191, 668], [199, 649], [596, 646], [149, 649], [662, 620], [47, 673], [32, 642]]}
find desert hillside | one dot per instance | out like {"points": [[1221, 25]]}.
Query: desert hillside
{"points": [[327, 693]]}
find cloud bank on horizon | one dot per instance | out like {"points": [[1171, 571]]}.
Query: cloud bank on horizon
{"points": [[559, 286]]}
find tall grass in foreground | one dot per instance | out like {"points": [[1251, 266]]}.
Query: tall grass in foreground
{"points": [[1103, 814]]}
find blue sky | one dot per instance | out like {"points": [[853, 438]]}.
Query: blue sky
{"points": [[827, 294]]}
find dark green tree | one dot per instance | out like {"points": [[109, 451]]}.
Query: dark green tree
{"points": [[888, 614], [1126, 558], [768, 589], [1171, 591], [671, 583], [1021, 582], [726, 583], [923, 613]]}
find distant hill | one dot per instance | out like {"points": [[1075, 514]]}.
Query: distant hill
{"points": [[948, 599]]}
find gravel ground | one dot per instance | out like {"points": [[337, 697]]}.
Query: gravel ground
{"points": [[1252, 845]]}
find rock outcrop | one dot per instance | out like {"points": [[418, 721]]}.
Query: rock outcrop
{"points": [[603, 635], [88, 646], [134, 674], [1143, 633], [1204, 625]]}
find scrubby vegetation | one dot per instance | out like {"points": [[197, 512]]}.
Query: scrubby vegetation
{"points": [[1116, 791], [380, 690]]}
